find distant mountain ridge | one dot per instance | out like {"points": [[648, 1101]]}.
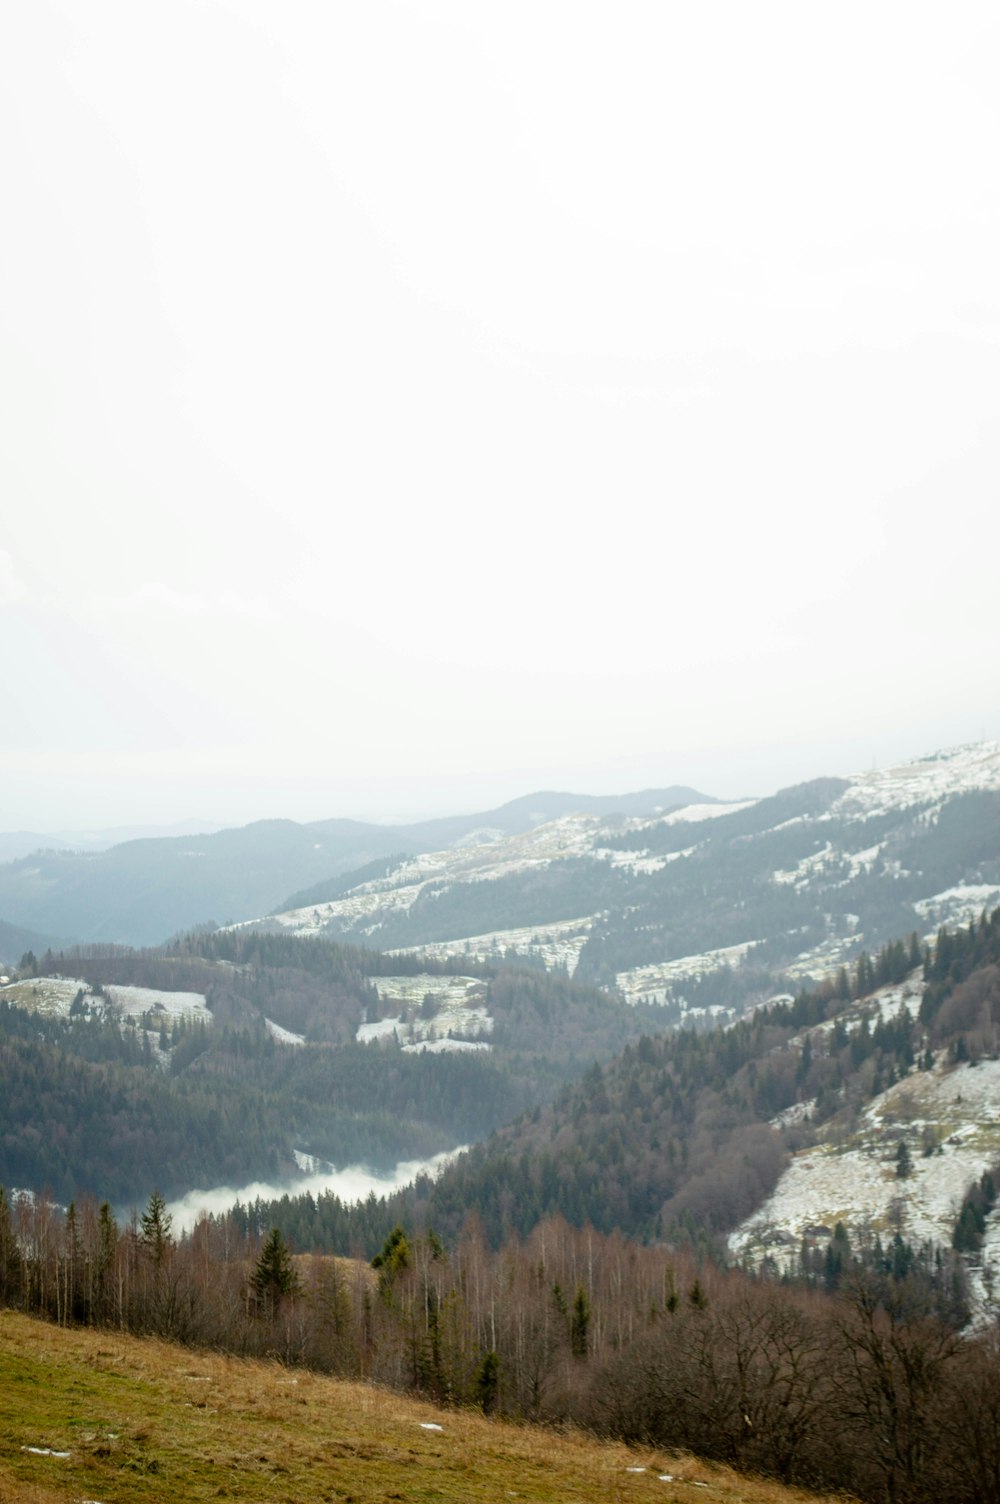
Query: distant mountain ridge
{"points": [[15, 844], [706, 906], [142, 891]]}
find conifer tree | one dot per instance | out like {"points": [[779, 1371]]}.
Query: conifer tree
{"points": [[155, 1224], [274, 1273]]}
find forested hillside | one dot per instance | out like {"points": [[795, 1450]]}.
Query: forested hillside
{"points": [[211, 1062], [684, 1136]]}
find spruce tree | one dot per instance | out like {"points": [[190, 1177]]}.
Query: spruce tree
{"points": [[274, 1273]]}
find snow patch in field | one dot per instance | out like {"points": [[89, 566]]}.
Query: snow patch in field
{"points": [[135, 1001], [55, 996], [51, 995], [793, 1115]]}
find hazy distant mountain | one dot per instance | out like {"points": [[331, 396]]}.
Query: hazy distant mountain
{"points": [[141, 891], [707, 905], [18, 843], [14, 941]]}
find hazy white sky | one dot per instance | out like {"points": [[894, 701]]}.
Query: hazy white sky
{"points": [[406, 406]]}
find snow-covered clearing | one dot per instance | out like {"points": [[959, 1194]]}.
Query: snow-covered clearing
{"points": [[657, 983], [807, 868], [825, 959], [851, 1178], [636, 861], [429, 1009], [52, 995], [878, 1007], [132, 1002], [55, 996]]}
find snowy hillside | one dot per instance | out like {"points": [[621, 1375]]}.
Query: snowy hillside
{"points": [[706, 907], [948, 1118]]}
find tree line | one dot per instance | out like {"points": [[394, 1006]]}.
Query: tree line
{"points": [[864, 1389]]}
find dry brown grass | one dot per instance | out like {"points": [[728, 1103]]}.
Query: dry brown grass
{"points": [[146, 1421]]}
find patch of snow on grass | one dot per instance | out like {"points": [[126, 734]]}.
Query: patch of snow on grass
{"points": [[381, 1028], [55, 996], [50, 995], [134, 1001]]}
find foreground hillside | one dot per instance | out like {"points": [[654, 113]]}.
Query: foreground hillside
{"points": [[99, 1416]]}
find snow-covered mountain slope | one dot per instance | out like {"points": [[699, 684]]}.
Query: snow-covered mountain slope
{"points": [[706, 906], [948, 1118]]}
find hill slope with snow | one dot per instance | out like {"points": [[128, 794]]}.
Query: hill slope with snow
{"points": [[706, 906]]}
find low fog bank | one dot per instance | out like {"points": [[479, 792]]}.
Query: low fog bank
{"points": [[354, 1183]]}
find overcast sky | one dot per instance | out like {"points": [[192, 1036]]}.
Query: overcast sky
{"points": [[403, 407]]}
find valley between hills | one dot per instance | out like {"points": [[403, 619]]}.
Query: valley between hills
{"points": [[729, 1078]]}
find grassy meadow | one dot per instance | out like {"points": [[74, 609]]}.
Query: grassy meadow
{"points": [[142, 1420]]}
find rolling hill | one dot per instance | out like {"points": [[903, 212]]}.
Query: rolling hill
{"points": [[704, 908]]}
